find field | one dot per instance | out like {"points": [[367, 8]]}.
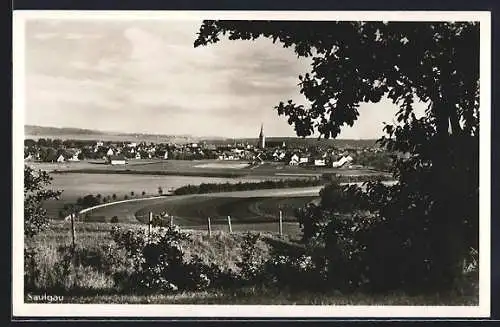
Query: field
{"points": [[202, 168], [78, 179], [79, 185], [249, 210]]}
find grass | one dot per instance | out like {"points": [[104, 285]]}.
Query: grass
{"points": [[79, 185], [78, 179], [201, 168], [194, 211], [263, 296], [91, 281], [99, 256]]}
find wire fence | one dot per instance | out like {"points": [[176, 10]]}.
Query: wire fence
{"points": [[219, 223]]}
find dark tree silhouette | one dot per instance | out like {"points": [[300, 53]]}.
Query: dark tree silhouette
{"points": [[35, 193], [435, 63]]}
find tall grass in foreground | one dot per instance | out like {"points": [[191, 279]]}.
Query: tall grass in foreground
{"points": [[90, 275], [273, 296]]}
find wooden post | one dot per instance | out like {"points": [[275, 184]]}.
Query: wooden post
{"points": [[73, 248], [171, 221], [229, 223], [281, 223], [73, 233], [150, 221], [209, 228]]}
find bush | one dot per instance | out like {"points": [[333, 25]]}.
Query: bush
{"points": [[250, 265], [114, 219], [31, 271], [157, 262], [367, 242], [294, 273]]}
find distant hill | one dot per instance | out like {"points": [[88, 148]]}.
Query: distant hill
{"points": [[69, 133], [45, 130]]}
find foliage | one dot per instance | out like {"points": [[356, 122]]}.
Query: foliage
{"points": [[250, 263], [230, 187], [157, 262], [296, 273], [35, 193], [88, 201], [31, 271], [382, 161], [435, 205]]}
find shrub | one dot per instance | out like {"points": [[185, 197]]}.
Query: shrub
{"points": [[157, 262], [31, 271], [114, 219], [90, 201], [367, 243], [250, 264], [295, 273]]}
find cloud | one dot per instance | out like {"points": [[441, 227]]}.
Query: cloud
{"points": [[146, 76]]}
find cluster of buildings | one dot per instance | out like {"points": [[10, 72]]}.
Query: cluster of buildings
{"points": [[118, 153]]}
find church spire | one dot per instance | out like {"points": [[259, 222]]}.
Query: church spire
{"points": [[262, 138]]}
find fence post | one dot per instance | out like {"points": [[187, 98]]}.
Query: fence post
{"points": [[209, 227], [171, 221], [150, 221], [73, 234], [229, 223], [73, 248], [281, 223]]}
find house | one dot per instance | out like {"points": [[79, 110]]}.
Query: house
{"points": [[29, 157], [303, 160], [320, 162], [278, 155], [110, 152], [138, 155], [165, 156], [74, 157], [342, 161], [294, 160], [61, 158], [116, 160], [260, 160]]}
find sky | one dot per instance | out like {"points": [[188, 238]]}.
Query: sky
{"points": [[143, 76]]}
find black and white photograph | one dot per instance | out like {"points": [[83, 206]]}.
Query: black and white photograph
{"points": [[251, 164]]}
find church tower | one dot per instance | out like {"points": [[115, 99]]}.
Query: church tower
{"points": [[262, 138]]}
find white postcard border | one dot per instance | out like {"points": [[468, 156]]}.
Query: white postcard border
{"points": [[21, 309]]}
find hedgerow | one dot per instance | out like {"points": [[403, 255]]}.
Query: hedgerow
{"points": [[230, 187]]}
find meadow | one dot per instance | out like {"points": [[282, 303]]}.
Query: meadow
{"points": [[90, 278], [242, 210], [79, 185], [202, 168], [254, 206]]}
